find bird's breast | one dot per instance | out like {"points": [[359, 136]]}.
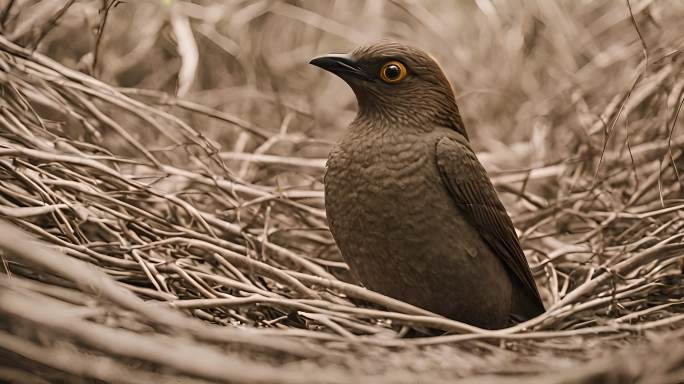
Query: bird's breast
{"points": [[383, 184]]}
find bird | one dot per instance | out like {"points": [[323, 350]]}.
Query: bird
{"points": [[410, 207]]}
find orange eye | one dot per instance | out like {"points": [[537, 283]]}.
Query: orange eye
{"points": [[393, 72]]}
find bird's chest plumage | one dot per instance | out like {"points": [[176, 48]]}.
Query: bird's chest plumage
{"points": [[381, 184], [389, 211]]}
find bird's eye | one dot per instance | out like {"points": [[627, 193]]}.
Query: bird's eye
{"points": [[393, 72]]}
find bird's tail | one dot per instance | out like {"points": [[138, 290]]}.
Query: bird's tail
{"points": [[525, 306]]}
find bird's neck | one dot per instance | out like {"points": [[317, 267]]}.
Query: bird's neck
{"points": [[418, 109], [412, 120]]}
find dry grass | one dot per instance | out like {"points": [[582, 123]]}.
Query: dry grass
{"points": [[169, 156]]}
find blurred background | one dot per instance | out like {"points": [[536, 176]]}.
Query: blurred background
{"points": [[533, 78]]}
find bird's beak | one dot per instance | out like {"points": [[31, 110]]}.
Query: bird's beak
{"points": [[343, 65]]}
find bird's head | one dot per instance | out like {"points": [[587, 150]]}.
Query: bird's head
{"points": [[396, 83]]}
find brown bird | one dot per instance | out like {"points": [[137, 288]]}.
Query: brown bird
{"points": [[410, 206]]}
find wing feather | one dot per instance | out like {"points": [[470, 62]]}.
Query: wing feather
{"points": [[472, 191]]}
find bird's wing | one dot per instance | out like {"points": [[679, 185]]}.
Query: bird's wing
{"points": [[471, 190]]}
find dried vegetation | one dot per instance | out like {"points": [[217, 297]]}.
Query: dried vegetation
{"points": [[169, 156]]}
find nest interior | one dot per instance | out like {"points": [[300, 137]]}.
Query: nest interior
{"points": [[162, 206]]}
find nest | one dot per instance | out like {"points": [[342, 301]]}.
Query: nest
{"points": [[162, 263]]}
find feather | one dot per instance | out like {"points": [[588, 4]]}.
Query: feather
{"points": [[471, 190]]}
